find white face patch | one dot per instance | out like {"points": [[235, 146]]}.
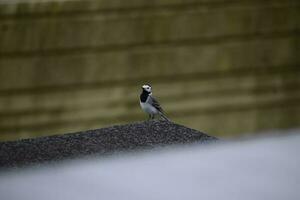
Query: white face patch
{"points": [[147, 88]]}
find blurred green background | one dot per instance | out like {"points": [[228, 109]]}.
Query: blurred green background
{"points": [[225, 67]]}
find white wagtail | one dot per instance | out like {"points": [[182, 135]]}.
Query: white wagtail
{"points": [[149, 104]]}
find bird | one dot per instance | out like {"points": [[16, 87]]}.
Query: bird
{"points": [[149, 104]]}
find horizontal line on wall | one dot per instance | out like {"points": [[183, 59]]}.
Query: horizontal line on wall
{"points": [[179, 7], [292, 34], [281, 105], [287, 89], [242, 71]]}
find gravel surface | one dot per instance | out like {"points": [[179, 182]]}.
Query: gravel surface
{"points": [[104, 141]]}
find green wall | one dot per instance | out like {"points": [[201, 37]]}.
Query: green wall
{"points": [[225, 67]]}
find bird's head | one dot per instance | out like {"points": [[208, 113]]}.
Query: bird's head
{"points": [[147, 88]]}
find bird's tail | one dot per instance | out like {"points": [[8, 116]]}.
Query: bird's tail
{"points": [[164, 116]]}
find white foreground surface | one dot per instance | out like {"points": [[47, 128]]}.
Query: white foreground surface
{"points": [[262, 169]]}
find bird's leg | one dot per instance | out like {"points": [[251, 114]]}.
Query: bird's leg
{"points": [[150, 117], [153, 116]]}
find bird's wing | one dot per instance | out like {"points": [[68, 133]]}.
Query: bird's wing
{"points": [[155, 103]]}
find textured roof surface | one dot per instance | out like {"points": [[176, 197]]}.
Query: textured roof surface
{"points": [[101, 141]]}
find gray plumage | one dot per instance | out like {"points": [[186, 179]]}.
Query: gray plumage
{"points": [[154, 102]]}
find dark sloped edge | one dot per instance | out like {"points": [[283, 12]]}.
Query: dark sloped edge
{"points": [[104, 141]]}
